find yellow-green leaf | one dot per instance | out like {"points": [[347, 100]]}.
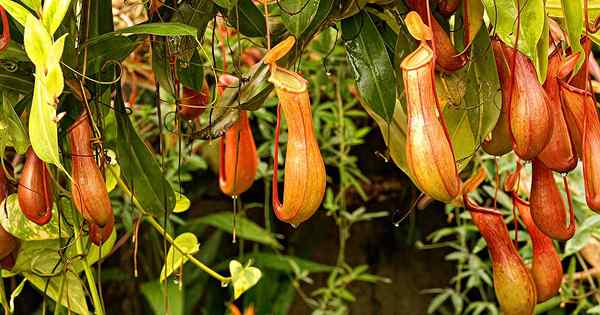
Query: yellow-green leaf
{"points": [[182, 203], [188, 244], [53, 13], [243, 278], [37, 42], [19, 13], [43, 126]]}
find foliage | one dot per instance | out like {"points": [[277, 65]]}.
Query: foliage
{"points": [[67, 57]]}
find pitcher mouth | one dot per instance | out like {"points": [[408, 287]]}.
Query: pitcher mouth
{"points": [[287, 80], [82, 117]]}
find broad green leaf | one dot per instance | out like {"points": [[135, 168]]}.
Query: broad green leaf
{"points": [[159, 29], [14, 52], [574, 22], [20, 81], [371, 64], [197, 14], [53, 13], [188, 244], [115, 49], [474, 101], [319, 18], [43, 126], [19, 13], [251, 19], [472, 106], [285, 263], [16, 223], [503, 13], [590, 226], [155, 296], [242, 277], [245, 228], [12, 132], [139, 168], [35, 5], [72, 298], [182, 203], [37, 42], [297, 15]]}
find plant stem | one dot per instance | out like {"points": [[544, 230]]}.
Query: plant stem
{"points": [[166, 235], [98, 307], [191, 258]]}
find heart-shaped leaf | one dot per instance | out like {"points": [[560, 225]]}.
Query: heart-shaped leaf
{"points": [[188, 244], [243, 278]]}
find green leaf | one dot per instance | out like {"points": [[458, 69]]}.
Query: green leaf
{"points": [[43, 126], [155, 296], [242, 278], [140, 169], [371, 64], [319, 18], [72, 298], [250, 18], [284, 263], [37, 42], [19, 13], [159, 29], [115, 49], [297, 15], [472, 117], [20, 81], [582, 235], [14, 52], [502, 15], [182, 204], [53, 13], [16, 223], [35, 5], [12, 132], [574, 22], [245, 228], [188, 244]]}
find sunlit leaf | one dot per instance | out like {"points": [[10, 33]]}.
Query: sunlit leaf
{"points": [[503, 14], [188, 244], [243, 277], [53, 13], [16, 223], [37, 42], [182, 204], [73, 298], [19, 13]]}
